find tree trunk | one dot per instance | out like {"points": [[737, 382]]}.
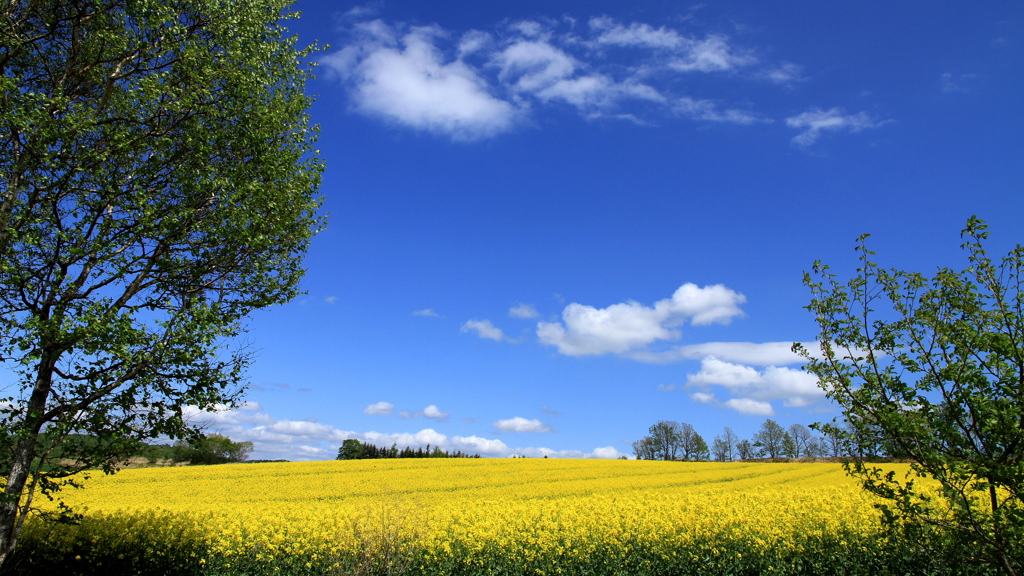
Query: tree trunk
{"points": [[12, 507]]}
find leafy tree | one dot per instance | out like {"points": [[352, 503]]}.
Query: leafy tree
{"points": [[350, 449], [666, 436], [699, 450], [158, 183], [769, 438], [788, 448], [745, 450], [212, 449], [934, 367]]}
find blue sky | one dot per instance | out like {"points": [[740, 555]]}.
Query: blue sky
{"points": [[553, 224]]}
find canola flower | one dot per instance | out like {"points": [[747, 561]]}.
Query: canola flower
{"points": [[450, 516]]}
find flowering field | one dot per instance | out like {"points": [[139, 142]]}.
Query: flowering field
{"points": [[473, 516]]}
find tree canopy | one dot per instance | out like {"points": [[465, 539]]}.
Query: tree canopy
{"points": [[932, 369], [158, 183]]}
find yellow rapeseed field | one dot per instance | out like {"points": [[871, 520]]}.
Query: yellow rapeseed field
{"points": [[532, 511]]}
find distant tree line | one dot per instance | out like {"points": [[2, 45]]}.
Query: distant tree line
{"points": [[206, 449], [353, 449], [670, 440]]}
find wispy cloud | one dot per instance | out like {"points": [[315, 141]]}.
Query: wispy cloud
{"points": [[953, 83], [815, 121], [484, 329], [523, 311], [429, 312], [621, 328], [758, 354], [477, 84]]}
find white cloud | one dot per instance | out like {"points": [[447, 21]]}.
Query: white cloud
{"points": [[520, 424], [708, 111], [426, 312], [711, 54], [742, 405], [758, 354], [307, 440], [815, 121], [431, 412], [434, 413], [749, 406], [407, 80], [621, 328], [484, 329], [703, 398], [636, 34], [756, 388], [604, 452], [331, 299], [785, 74], [380, 408], [523, 311], [476, 85]]}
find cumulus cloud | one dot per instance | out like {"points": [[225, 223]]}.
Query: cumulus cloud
{"points": [[815, 121], [757, 354], [484, 329], [405, 79], [520, 424], [477, 85], [523, 311], [755, 389], [380, 408], [620, 328]]}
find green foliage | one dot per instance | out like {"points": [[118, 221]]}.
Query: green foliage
{"points": [[932, 369], [211, 449], [158, 183]]}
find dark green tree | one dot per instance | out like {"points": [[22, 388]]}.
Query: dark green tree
{"points": [[699, 451], [158, 183], [350, 449], [933, 369]]}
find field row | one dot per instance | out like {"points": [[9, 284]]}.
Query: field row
{"points": [[484, 516]]}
